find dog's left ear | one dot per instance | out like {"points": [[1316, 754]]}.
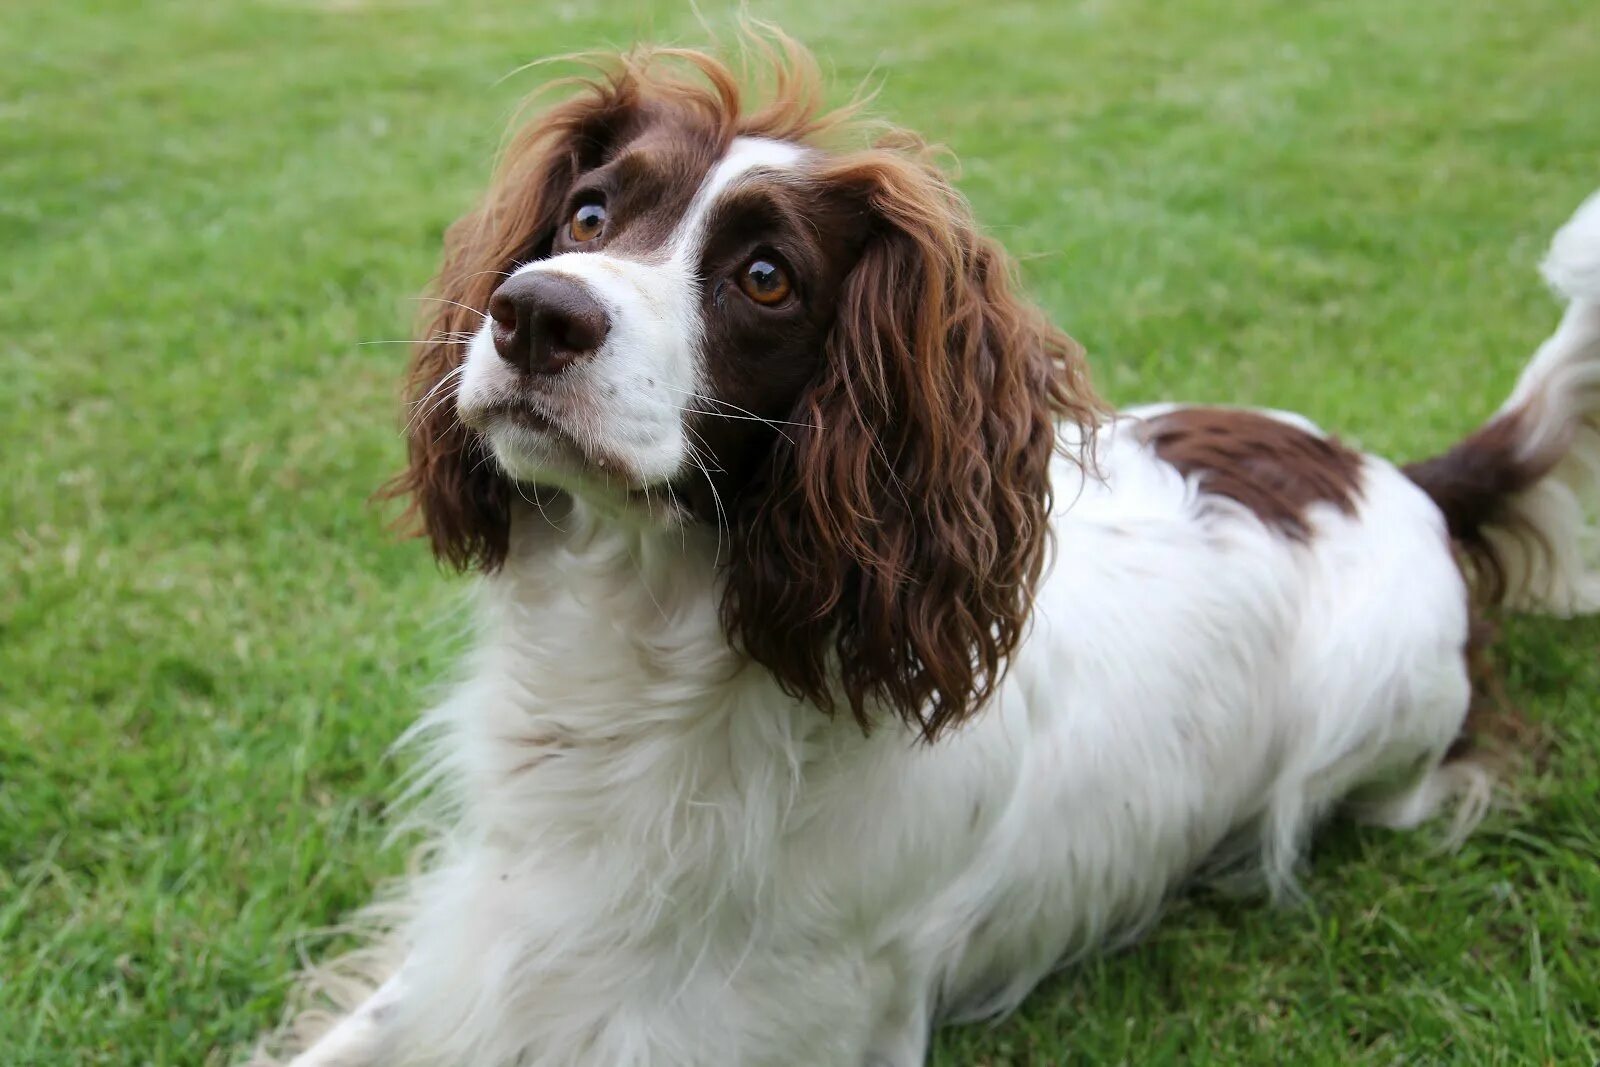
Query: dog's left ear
{"points": [[889, 558], [455, 493]]}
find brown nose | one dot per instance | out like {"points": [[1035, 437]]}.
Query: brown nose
{"points": [[542, 323]]}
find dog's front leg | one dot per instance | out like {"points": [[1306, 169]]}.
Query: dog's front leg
{"points": [[362, 1038]]}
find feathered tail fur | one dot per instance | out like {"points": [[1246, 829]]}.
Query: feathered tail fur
{"points": [[1518, 493]]}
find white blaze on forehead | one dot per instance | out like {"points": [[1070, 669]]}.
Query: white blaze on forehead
{"points": [[745, 154]]}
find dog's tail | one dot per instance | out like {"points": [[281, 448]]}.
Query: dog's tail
{"points": [[1517, 493]]}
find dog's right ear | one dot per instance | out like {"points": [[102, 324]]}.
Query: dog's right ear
{"points": [[456, 494]]}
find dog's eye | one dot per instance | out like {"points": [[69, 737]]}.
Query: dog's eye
{"points": [[587, 222], [764, 282]]}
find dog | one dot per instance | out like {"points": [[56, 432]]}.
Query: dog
{"points": [[844, 665]]}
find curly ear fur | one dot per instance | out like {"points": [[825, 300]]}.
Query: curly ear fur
{"points": [[890, 559], [457, 494]]}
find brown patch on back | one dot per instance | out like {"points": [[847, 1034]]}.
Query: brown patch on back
{"points": [[1275, 469]]}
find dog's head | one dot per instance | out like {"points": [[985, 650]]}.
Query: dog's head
{"points": [[689, 311]]}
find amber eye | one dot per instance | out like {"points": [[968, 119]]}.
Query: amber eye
{"points": [[764, 282], [587, 222]]}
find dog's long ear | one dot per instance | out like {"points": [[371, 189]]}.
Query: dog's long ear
{"points": [[896, 545], [456, 494]]}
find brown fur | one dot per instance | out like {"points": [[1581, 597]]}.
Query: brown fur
{"points": [[1497, 733], [1473, 485], [761, 359], [1276, 470], [896, 541], [886, 545]]}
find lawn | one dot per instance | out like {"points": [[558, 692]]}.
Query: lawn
{"points": [[213, 221]]}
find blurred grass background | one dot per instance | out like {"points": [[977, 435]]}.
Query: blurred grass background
{"points": [[207, 641]]}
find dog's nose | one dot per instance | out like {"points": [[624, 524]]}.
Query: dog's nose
{"points": [[543, 323]]}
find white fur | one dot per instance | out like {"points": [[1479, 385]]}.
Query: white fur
{"points": [[1572, 266], [659, 859], [655, 857]]}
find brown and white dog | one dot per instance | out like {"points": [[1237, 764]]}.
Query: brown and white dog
{"points": [[844, 665]]}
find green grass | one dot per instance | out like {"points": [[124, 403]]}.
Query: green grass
{"points": [[207, 642]]}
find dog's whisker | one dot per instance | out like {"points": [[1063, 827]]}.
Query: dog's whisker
{"points": [[716, 468], [716, 500], [428, 341], [465, 307], [739, 412], [417, 413]]}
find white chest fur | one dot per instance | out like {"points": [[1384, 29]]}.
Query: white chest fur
{"points": [[660, 858]]}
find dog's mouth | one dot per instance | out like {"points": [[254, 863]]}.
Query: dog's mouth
{"points": [[522, 415], [524, 429], [535, 446]]}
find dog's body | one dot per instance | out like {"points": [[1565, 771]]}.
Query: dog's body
{"points": [[662, 853]]}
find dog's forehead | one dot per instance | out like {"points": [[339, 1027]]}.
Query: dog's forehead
{"points": [[745, 157], [681, 173]]}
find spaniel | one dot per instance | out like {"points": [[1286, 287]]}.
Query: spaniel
{"points": [[843, 665]]}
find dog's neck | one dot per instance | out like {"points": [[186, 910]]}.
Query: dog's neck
{"points": [[601, 664]]}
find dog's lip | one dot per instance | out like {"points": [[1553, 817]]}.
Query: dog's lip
{"points": [[518, 411], [526, 415]]}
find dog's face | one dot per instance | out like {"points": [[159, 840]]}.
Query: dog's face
{"points": [[682, 310], [651, 357]]}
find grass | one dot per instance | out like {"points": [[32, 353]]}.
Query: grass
{"points": [[207, 641]]}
